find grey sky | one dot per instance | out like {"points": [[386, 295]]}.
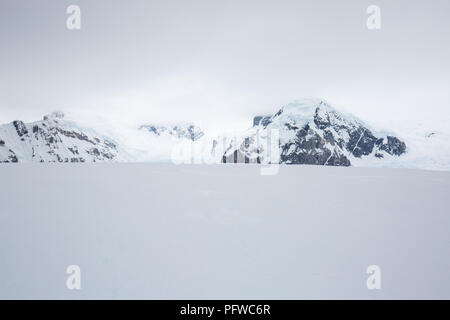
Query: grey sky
{"points": [[220, 62]]}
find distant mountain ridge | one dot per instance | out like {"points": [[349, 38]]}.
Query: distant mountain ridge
{"points": [[187, 131], [310, 132]]}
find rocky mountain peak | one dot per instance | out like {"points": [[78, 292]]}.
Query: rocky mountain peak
{"points": [[313, 132]]}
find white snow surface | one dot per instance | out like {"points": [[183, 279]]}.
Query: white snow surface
{"points": [[161, 231], [427, 150]]}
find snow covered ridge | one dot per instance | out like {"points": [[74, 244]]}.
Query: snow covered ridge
{"points": [[312, 132], [54, 139], [188, 131]]}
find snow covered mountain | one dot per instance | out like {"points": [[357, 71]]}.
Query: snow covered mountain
{"points": [[312, 132], [188, 131], [54, 139]]}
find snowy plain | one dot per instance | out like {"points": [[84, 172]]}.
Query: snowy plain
{"points": [[162, 231]]}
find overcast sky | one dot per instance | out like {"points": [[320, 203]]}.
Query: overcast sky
{"points": [[221, 62]]}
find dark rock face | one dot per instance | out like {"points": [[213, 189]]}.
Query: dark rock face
{"points": [[393, 146], [74, 150], [10, 158], [261, 120], [324, 157], [309, 148], [152, 129], [72, 134], [361, 142], [55, 115], [192, 132], [20, 128]]}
